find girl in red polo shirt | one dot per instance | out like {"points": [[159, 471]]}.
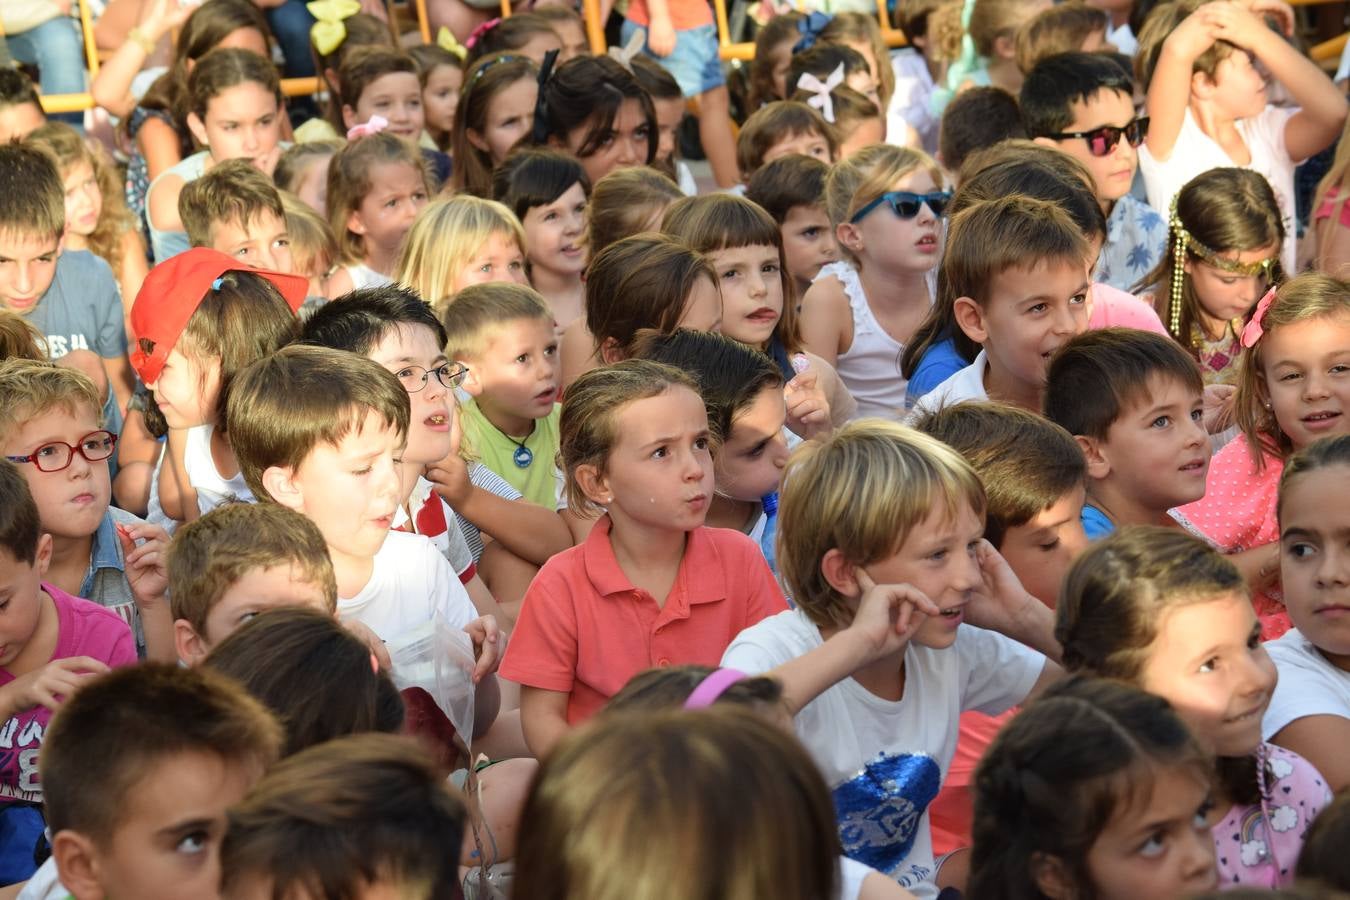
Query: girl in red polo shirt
{"points": [[651, 585]]}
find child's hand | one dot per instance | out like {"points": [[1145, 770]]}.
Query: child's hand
{"points": [[486, 646], [808, 410], [50, 685], [999, 604], [888, 615], [1278, 10], [145, 564], [661, 36], [361, 631], [1234, 24], [1196, 33], [451, 475], [1218, 407], [267, 163], [165, 16]]}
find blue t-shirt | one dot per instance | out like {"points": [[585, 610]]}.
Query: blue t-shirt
{"points": [[82, 309], [1095, 523], [938, 363]]}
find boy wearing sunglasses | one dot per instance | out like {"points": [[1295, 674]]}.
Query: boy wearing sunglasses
{"points": [[51, 429], [1083, 104]]}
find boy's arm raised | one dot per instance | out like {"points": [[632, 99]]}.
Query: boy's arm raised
{"points": [[1169, 91], [887, 616], [1322, 107]]}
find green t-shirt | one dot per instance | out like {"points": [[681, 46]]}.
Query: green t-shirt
{"points": [[538, 481]]}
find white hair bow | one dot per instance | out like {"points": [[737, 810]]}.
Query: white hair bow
{"points": [[625, 55], [820, 91]]}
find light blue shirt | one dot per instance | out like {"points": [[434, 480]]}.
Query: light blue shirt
{"points": [[1136, 238]]}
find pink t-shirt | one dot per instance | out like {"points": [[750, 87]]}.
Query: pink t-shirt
{"points": [[83, 629], [1238, 513], [1258, 847], [585, 629]]}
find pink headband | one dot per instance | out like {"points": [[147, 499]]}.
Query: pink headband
{"points": [[1253, 330], [712, 687], [367, 129]]}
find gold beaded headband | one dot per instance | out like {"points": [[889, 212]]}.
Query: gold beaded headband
{"points": [[1184, 243]]}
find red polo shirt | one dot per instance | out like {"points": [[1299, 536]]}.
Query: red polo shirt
{"points": [[585, 629]]}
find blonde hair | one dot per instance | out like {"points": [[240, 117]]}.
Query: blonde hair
{"points": [[314, 249], [993, 19], [862, 491], [861, 28], [445, 237], [709, 223], [475, 314], [31, 387], [1311, 295], [283, 406], [623, 202], [866, 175], [1060, 29], [68, 148], [349, 182], [679, 803], [208, 556], [19, 338], [589, 423], [234, 191]]}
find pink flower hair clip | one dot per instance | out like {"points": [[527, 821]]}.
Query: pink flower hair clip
{"points": [[477, 34], [1253, 330], [366, 129]]}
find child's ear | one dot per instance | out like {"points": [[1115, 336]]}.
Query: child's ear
{"points": [[348, 116], [197, 127], [476, 140], [187, 643], [1045, 142], [472, 386], [970, 319], [1005, 46], [43, 560], [1049, 874], [77, 861], [356, 224], [594, 484], [610, 352], [1202, 86], [847, 234], [1098, 462], [841, 574], [280, 483]]}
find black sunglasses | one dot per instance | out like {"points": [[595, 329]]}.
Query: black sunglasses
{"points": [[1101, 141], [907, 204]]}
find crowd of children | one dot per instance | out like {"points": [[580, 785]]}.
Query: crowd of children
{"points": [[438, 490]]}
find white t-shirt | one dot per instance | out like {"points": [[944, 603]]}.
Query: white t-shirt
{"points": [[851, 877], [884, 761], [46, 884], [410, 584], [1196, 152], [967, 384], [1309, 684], [212, 488]]}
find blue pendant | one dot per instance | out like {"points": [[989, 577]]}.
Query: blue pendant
{"points": [[522, 457]]}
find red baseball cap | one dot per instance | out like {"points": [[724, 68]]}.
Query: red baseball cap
{"points": [[174, 289]]}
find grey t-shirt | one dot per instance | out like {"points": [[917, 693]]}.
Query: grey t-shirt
{"points": [[82, 309]]}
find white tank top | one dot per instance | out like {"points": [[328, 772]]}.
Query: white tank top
{"points": [[363, 276], [870, 368]]}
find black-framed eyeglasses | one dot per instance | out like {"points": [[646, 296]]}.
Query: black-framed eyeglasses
{"points": [[906, 204], [1101, 141], [414, 378], [55, 456]]}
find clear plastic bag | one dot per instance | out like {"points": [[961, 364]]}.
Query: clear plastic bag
{"points": [[438, 659]]}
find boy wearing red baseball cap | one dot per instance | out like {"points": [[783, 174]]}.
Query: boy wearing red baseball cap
{"points": [[200, 318]]}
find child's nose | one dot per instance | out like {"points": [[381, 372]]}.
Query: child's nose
{"points": [[1314, 386], [23, 277], [1332, 567], [627, 152], [1198, 850]]}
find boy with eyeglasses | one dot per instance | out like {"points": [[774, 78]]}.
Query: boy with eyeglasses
{"points": [[50, 643], [51, 429], [1083, 104]]}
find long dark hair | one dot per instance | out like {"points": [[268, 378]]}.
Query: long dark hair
{"points": [[588, 91]]}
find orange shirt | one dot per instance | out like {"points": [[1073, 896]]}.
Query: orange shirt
{"points": [[585, 629], [684, 14]]}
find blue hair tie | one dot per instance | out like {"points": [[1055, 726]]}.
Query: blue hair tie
{"points": [[215, 285], [810, 27]]}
